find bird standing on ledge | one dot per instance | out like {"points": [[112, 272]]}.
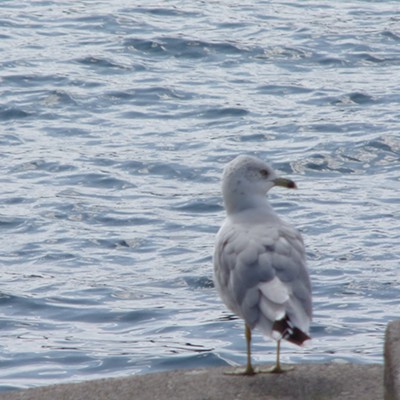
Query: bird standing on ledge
{"points": [[259, 260]]}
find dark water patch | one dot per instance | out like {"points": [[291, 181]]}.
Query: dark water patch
{"points": [[110, 364], [68, 131], [352, 46], [350, 127], [101, 63], [171, 115], [146, 46], [370, 58], [95, 25], [11, 222], [92, 179], [58, 256], [333, 61], [15, 200], [143, 315], [346, 100], [103, 161], [96, 315], [180, 348], [33, 80], [134, 167], [183, 48], [42, 165], [353, 55], [79, 211], [282, 90], [58, 98], [253, 137], [199, 282], [391, 35], [17, 305], [365, 156], [171, 11], [284, 167], [198, 206], [224, 112], [325, 163], [8, 139], [383, 151], [146, 115], [64, 309], [109, 220], [116, 243], [17, 23], [13, 113], [149, 95], [282, 53], [51, 369], [232, 25], [355, 98], [386, 145], [177, 228], [172, 171]]}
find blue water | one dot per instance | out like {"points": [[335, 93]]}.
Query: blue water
{"points": [[117, 118]]}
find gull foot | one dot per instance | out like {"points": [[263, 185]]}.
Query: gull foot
{"points": [[249, 371], [276, 369]]}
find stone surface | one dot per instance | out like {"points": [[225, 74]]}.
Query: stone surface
{"points": [[392, 361], [304, 382]]}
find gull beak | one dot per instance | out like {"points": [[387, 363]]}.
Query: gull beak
{"points": [[287, 183]]}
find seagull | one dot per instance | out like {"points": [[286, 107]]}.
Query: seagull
{"points": [[260, 267]]}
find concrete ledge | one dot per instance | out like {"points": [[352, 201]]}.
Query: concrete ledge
{"points": [[305, 382], [392, 361]]}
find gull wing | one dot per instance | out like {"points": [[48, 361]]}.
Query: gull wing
{"points": [[260, 272]]}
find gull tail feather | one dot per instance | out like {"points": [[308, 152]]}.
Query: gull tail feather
{"points": [[290, 332]]}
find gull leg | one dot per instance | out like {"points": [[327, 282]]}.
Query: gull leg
{"points": [[276, 369], [249, 367], [249, 370]]}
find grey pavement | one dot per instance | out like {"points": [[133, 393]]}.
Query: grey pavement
{"points": [[392, 361], [308, 382], [304, 382]]}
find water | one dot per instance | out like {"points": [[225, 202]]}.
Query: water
{"points": [[116, 121]]}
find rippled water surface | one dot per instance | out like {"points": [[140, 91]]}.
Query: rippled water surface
{"points": [[117, 119]]}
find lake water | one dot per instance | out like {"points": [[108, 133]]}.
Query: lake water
{"points": [[117, 118]]}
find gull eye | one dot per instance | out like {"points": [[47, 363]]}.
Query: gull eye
{"points": [[264, 173]]}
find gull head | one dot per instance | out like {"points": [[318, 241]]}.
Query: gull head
{"points": [[246, 181]]}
